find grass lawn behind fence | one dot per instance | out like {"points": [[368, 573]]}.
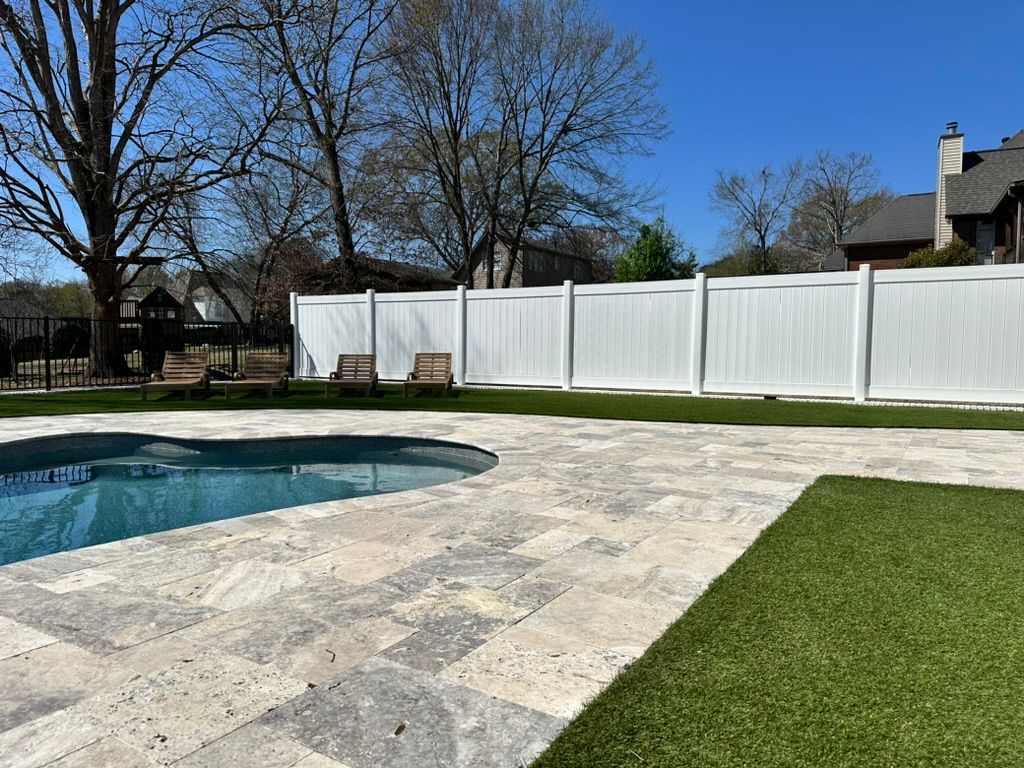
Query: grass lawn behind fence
{"points": [[541, 402], [877, 623]]}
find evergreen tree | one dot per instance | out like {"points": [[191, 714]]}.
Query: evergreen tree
{"points": [[656, 254]]}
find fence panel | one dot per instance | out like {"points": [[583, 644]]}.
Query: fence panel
{"points": [[411, 323], [513, 336], [633, 336], [949, 334], [330, 325], [783, 335]]}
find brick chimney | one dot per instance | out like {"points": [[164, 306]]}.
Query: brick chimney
{"points": [[951, 161]]}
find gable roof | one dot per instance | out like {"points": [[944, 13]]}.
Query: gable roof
{"points": [[980, 188], [908, 217]]}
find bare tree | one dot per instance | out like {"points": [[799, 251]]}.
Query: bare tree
{"points": [[580, 98], [101, 132], [410, 213], [838, 193], [238, 238], [441, 101], [331, 53], [599, 246], [758, 206], [21, 260]]}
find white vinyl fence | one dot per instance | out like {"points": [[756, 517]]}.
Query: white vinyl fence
{"points": [[954, 334]]}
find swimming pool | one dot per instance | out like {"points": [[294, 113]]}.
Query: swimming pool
{"points": [[74, 491]]}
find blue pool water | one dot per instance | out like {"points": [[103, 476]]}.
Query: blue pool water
{"points": [[64, 493]]}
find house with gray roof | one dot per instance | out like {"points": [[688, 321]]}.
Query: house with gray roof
{"points": [[978, 199]]}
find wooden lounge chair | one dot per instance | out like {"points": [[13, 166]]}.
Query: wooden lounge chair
{"points": [[182, 371], [261, 372], [431, 370], [355, 372]]}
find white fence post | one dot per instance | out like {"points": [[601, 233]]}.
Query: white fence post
{"points": [[293, 319], [862, 333], [371, 321], [567, 319], [698, 338], [460, 335]]}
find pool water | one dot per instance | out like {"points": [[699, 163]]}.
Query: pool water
{"points": [[128, 485]]}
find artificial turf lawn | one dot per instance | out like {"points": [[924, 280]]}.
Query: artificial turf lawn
{"points": [[876, 623], [540, 402]]}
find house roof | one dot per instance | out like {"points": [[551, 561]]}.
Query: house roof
{"points": [[404, 272], [981, 187], [1014, 142], [908, 217], [835, 261]]}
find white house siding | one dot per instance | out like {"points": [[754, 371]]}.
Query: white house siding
{"points": [[951, 161]]}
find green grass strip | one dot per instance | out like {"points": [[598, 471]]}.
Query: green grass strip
{"points": [[540, 402], [876, 623]]}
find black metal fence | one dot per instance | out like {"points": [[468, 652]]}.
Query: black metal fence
{"points": [[58, 352]]}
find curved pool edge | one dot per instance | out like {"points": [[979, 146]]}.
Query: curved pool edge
{"points": [[12, 458], [68, 449]]}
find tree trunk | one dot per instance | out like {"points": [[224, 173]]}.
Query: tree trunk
{"points": [[513, 257], [492, 237], [106, 353], [342, 223]]}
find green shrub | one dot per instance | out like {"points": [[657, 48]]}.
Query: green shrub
{"points": [[656, 254], [956, 253]]}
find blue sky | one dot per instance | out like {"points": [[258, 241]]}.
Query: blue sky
{"points": [[749, 83]]}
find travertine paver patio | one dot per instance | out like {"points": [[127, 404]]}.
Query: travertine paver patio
{"points": [[459, 625]]}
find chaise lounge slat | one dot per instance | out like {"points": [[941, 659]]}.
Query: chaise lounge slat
{"points": [[431, 370], [181, 372], [354, 372], [261, 372]]}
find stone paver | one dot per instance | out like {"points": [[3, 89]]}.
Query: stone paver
{"points": [[449, 626], [381, 713]]}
